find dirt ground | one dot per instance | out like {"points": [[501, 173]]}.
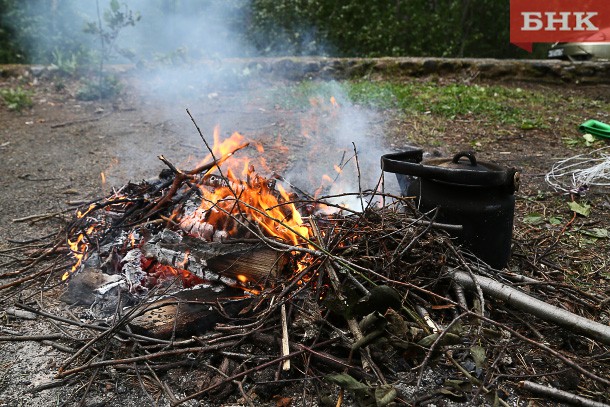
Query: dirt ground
{"points": [[54, 154]]}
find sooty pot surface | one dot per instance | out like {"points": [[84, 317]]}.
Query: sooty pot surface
{"points": [[478, 196]]}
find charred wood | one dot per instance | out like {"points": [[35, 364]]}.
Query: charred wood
{"points": [[188, 313], [208, 260]]}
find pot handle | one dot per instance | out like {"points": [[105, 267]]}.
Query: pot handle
{"points": [[468, 154]]}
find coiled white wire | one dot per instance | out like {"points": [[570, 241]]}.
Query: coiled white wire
{"points": [[579, 173]]}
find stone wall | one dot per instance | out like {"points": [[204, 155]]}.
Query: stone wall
{"points": [[297, 68], [489, 69]]}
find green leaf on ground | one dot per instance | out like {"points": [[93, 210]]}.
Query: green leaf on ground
{"points": [[584, 209], [385, 394], [589, 139], [478, 355], [596, 232], [533, 218]]}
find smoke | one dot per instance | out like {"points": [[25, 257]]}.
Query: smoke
{"points": [[341, 146], [180, 49]]}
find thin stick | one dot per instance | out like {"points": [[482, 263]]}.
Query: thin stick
{"points": [[285, 345], [39, 217], [94, 327], [79, 121], [30, 338], [146, 357]]}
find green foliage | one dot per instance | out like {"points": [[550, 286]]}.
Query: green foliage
{"points": [[31, 31], [17, 98], [108, 87], [473, 28], [115, 18], [67, 64]]}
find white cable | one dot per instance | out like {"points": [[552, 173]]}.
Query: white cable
{"points": [[583, 171]]}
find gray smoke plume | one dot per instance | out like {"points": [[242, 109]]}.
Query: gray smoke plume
{"points": [[180, 51]]}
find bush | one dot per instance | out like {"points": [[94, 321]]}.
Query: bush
{"points": [[108, 87], [375, 28], [17, 99]]}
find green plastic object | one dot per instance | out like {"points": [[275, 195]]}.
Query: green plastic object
{"points": [[595, 128]]}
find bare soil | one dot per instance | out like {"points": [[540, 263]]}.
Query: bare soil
{"points": [[54, 153]]}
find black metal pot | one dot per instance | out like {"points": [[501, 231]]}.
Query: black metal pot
{"points": [[476, 195]]}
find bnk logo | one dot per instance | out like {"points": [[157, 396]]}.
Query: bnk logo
{"points": [[557, 21], [563, 21]]}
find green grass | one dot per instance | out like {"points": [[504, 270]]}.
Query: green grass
{"points": [[498, 104], [17, 98]]}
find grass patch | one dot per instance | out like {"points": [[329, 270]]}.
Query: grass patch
{"points": [[501, 105], [17, 98]]}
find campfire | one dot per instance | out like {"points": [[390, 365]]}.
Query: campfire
{"points": [[249, 284]]}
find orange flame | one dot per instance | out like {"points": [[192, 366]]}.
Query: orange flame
{"points": [[231, 204], [79, 249], [250, 202], [333, 102]]}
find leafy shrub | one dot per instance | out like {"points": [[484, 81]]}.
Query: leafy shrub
{"points": [[375, 28], [108, 87], [17, 98]]}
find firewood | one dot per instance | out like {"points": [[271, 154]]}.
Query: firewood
{"points": [[188, 312], [241, 261]]}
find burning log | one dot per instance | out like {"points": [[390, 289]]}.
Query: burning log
{"points": [[210, 261]]}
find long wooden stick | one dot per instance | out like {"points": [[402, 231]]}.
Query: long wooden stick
{"points": [[559, 395], [541, 309]]}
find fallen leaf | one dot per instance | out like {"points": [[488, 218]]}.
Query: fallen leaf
{"points": [[347, 382], [533, 219], [282, 401], [596, 232], [447, 339], [584, 209], [385, 394], [478, 355], [589, 138]]}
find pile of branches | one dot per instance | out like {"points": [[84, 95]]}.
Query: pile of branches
{"points": [[386, 310]]}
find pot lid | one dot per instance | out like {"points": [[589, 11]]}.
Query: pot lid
{"points": [[464, 160], [462, 169]]}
